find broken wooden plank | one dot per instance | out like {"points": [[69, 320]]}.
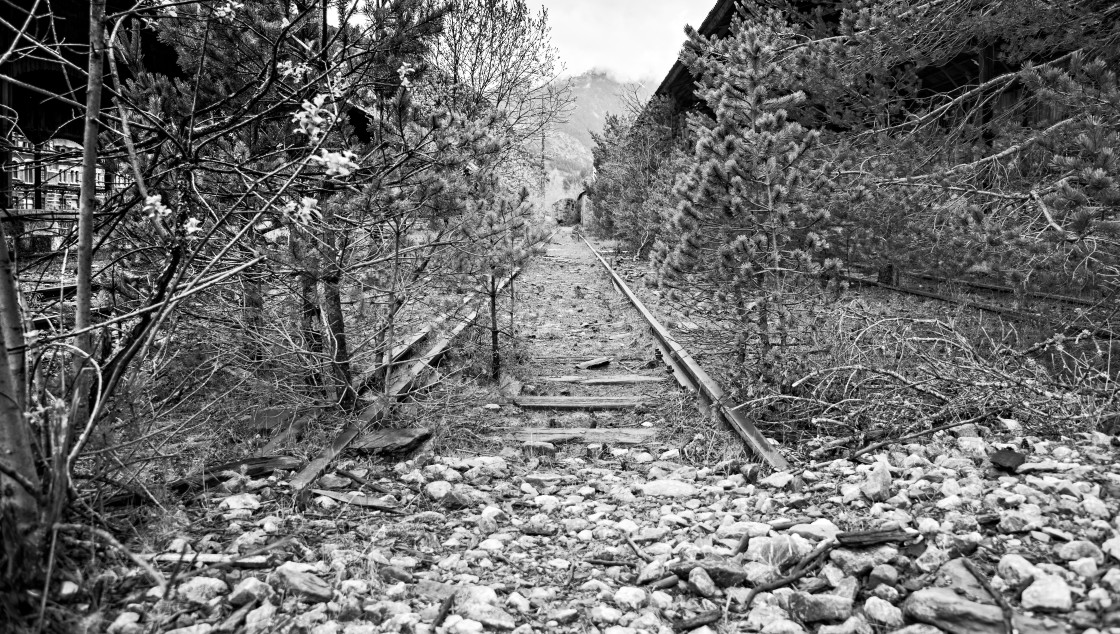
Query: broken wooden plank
{"points": [[255, 562], [254, 467], [357, 499], [618, 379], [381, 406], [607, 435], [392, 441], [580, 402], [597, 362], [311, 472], [294, 428]]}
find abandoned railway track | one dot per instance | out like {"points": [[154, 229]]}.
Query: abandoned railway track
{"points": [[1060, 314]]}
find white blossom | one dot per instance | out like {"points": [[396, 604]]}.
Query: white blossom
{"points": [[288, 68], [337, 163], [303, 212], [192, 225], [228, 9], [405, 72], [313, 117], [154, 207]]}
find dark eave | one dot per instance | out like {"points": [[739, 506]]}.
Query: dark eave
{"points": [[679, 84]]}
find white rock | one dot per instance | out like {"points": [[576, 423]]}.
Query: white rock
{"points": [[260, 619], [605, 615], [668, 488], [241, 501], [438, 490], [250, 589], [660, 600], [818, 530], [779, 480], [882, 613], [126, 623], [1048, 592], [492, 545], [877, 486], [1095, 507], [202, 589], [1112, 547], [630, 597], [1016, 569], [518, 602]]}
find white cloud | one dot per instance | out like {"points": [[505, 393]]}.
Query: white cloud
{"points": [[634, 39]]}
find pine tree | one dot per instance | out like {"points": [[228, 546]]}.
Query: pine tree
{"points": [[748, 227]]}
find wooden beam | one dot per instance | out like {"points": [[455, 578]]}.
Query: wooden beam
{"points": [[618, 379], [606, 435], [586, 403]]}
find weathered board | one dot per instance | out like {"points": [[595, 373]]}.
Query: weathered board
{"points": [[598, 362], [606, 435], [392, 441], [212, 559], [580, 402], [618, 379]]}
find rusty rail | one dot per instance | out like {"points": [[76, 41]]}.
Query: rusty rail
{"points": [[694, 379]]}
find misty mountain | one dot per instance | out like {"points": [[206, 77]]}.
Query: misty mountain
{"points": [[595, 95]]}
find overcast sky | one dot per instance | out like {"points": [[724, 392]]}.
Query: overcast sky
{"points": [[634, 39]]}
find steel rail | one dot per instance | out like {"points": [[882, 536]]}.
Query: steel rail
{"points": [[694, 379]]}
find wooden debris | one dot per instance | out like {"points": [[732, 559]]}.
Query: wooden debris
{"points": [[1004, 606], [362, 482], [381, 407], [700, 620], [862, 539], [392, 441], [616, 435], [293, 428], [253, 467], [598, 362], [256, 562], [311, 472], [587, 403], [357, 499], [619, 379], [1007, 459], [234, 620]]}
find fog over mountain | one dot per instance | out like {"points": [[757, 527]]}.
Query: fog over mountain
{"points": [[568, 148]]}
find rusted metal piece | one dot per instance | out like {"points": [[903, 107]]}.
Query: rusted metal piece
{"points": [[693, 378]]}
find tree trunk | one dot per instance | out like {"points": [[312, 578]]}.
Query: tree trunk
{"points": [[336, 331], [332, 313], [495, 354], [19, 482], [83, 303], [252, 308]]}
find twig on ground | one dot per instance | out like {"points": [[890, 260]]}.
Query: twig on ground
{"points": [[804, 567], [638, 551], [609, 562], [700, 620], [444, 610], [886, 443], [225, 564], [1008, 612], [112, 541], [362, 482]]}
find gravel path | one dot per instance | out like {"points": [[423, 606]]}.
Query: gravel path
{"points": [[633, 540]]}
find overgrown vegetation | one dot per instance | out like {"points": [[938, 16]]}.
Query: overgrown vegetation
{"points": [[964, 140], [313, 182]]}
